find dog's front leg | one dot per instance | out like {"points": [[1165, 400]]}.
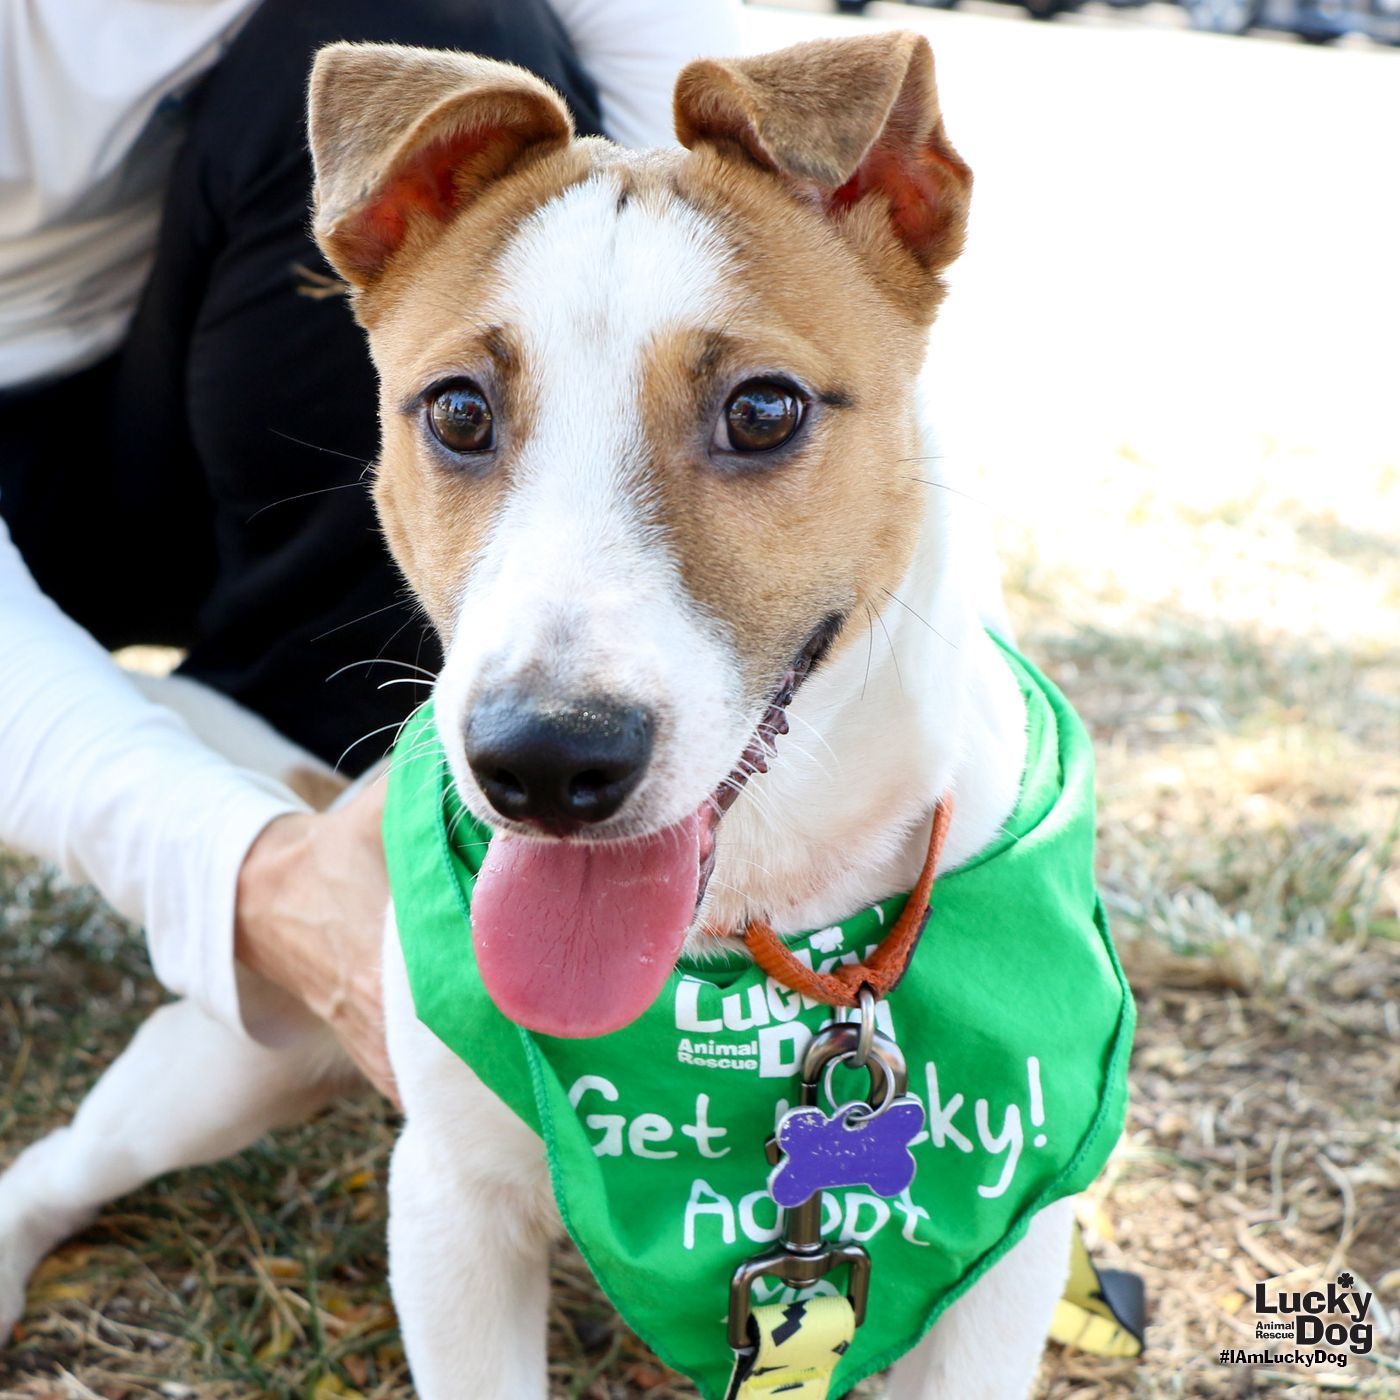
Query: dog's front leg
{"points": [[469, 1267], [186, 1090], [471, 1219], [988, 1344]]}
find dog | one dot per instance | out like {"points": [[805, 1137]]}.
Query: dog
{"points": [[654, 463]]}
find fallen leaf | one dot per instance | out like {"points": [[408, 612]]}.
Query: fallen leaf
{"points": [[279, 1344], [331, 1385]]}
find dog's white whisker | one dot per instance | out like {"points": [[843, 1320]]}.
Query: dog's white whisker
{"points": [[717, 884], [366, 467], [380, 661], [793, 751], [304, 495], [748, 863], [457, 821], [363, 617], [382, 729], [869, 647], [920, 617], [899, 678], [794, 718], [432, 776], [398, 727]]}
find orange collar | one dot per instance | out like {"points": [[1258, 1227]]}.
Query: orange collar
{"points": [[884, 967]]}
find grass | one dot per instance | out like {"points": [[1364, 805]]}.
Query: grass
{"points": [[1232, 638], [1234, 644]]}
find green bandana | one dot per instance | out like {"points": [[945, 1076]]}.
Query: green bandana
{"points": [[1014, 1018]]}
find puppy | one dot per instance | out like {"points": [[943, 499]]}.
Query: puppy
{"points": [[653, 464]]}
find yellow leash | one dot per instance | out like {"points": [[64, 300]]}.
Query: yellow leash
{"points": [[1102, 1312], [796, 1347]]}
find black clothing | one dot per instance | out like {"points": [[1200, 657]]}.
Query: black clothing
{"points": [[204, 486]]}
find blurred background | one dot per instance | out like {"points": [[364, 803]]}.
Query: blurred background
{"points": [[1169, 365], [1169, 368], [1316, 21]]}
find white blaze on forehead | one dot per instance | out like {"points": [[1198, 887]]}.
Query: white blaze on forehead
{"points": [[581, 269], [574, 592], [586, 288]]}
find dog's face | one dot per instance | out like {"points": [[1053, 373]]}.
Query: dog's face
{"points": [[647, 445]]}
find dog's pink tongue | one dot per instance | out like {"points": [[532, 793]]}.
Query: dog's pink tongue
{"points": [[577, 940]]}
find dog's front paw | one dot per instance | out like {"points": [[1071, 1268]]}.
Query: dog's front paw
{"points": [[11, 1300], [23, 1245], [30, 1226], [21, 1248]]}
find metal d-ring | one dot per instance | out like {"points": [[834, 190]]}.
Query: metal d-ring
{"points": [[801, 1256], [881, 1095], [839, 1043], [866, 1000]]}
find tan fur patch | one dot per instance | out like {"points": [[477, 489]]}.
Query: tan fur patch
{"points": [[421, 329], [834, 289], [773, 545], [315, 786]]}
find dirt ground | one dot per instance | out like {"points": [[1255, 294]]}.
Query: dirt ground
{"points": [[1250, 788], [1221, 599]]}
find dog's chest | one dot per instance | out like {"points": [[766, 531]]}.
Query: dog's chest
{"points": [[655, 1133]]}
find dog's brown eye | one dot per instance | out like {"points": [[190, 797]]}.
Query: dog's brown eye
{"points": [[760, 415], [461, 418]]}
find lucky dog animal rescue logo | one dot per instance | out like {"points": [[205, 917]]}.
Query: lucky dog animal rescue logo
{"points": [[757, 1029], [1333, 1321]]}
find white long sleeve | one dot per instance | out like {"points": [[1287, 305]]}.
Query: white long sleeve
{"points": [[88, 129], [114, 789], [117, 791], [633, 49], [89, 125]]}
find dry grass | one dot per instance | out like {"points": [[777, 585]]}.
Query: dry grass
{"points": [[1236, 650], [1224, 609], [1232, 638]]}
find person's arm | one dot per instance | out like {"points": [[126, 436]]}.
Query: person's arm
{"points": [[633, 49], [117, 791], [87, 134], [310, 905]]}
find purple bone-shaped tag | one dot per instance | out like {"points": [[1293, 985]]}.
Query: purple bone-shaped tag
{"points": [[850, 1148]]}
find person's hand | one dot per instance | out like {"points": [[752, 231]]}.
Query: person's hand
{"points": [[311, 900]]}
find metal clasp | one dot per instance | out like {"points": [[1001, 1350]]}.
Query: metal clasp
{"points": [[801, 1257]]}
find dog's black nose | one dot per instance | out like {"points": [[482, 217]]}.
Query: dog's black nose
{"points": [[557, 764]]}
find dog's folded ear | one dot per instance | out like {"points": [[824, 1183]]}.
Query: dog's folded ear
{"points": [[403, 138], [854, 123]]}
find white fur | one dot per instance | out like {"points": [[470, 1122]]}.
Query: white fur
{"points": [[927, 707], [245, 739], [574, 588], [572, 579]]}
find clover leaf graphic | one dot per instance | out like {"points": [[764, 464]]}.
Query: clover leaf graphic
{"points": [[1345, 1280]]}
